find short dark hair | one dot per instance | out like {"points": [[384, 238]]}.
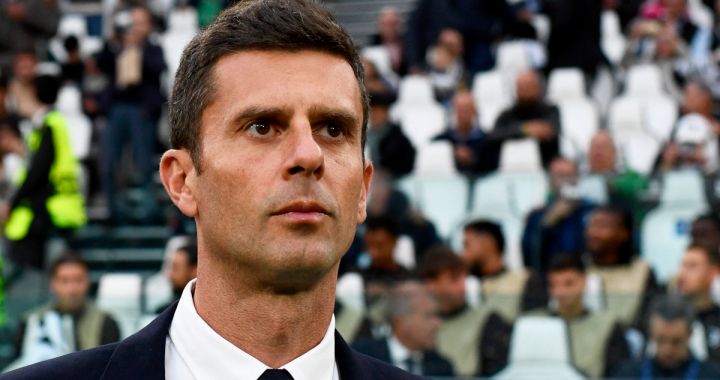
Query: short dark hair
{"points": [[709, 217], [488, 227], [190, 250], [71, 43], [47, 88], [710, 254], [566, 261], [672, 307], [287, 25], [376, 223], [437, 260], [68, 258]]}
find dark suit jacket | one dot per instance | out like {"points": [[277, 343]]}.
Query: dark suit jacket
{"points": [[142, 356], [432, 364]]}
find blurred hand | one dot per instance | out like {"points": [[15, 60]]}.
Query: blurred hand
{"points": [[558, 211], [464, 155], [540, 130]]}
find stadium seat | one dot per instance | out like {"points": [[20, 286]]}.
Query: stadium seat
{"points": [[511, 58], [492, 96], [173, 44], [660, 114], [664, 237], [404, 253], [444, 201], [539, 349], [594, 188], [566, 84], [420, 122], [683, 188], [415, 90], [644, 80], [580, 121], [69, 103], [638, 150], [380, 57], [350, 291], [625, 114], [119, 295], [520, 156], [72, 25], [183, 20], [435, 159]]}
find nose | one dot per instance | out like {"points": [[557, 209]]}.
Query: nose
{"points": [[305, 157]]}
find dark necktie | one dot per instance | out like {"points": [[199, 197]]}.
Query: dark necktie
{"points": [[275, 374]]}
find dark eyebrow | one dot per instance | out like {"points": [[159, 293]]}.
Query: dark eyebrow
{"points": [[258, 112], [336, 115]]}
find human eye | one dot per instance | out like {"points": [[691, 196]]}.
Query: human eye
{"points": [[259, 128], [332, 131]]}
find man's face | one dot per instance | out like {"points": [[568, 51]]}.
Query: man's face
{"points": [[528, 88], [181, 271], [604, 233], [676, 8], [389, 24], [421, 326], [671, 340], [478, 247], [449, 290], [464, 110], [696, 273], [24, 67], [380, 244], [562, 172], [70, 285], [283, 182], [141, 23], [696, 99], [602, 153], [566, 287]]}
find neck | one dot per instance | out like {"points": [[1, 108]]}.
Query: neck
{"points": [[571, 311], [607, 258], [261, 321], [406, 342]]}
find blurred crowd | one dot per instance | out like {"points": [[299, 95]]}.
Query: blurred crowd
{"points": [[546, 185]]}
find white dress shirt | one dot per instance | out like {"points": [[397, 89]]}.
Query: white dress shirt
{"points": [[401, 357], [194, 351]]}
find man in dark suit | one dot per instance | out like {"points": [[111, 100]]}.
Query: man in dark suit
{"points": [[412, 314], [268, 117]]}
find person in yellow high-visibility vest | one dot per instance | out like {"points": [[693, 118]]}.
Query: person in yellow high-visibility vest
{"points": [[47, 195]]}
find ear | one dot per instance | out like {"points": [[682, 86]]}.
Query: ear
{"points": [[367, 179], [178, 176]]}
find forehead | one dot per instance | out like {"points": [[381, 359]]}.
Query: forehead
{"points": [[297, 81], [673, 327], [564, 275], [70, 269]]}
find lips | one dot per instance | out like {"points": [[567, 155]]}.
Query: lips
{"points": [[303, 212]]}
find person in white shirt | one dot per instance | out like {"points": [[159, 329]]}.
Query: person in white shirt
{"points": [[268, 117]]}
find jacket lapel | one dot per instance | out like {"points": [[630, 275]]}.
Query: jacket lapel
{"points": [[142, 355], [348, 366]]}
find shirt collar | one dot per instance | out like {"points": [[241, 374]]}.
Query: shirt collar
{"points": [[398, 353], [220, 359]]}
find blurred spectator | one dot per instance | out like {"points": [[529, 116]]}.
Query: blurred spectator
{"points": [[375, 83], [391, 36], [352, 324], [480, 23], [670, 328], [26, 25], [657, 15], [509, 292], [698, 270], [22, 98], [559, 225], [379, 269], [705, 231], [4, 90], [530, 116], [627, 10], [412, 315], [698, 99], [597, 340], [183, 268], [475, 340], [574, 34], [625, 186], [628, 281], [74, 68], [473, 154], [694, 146], [446, 69], [70, 322], [48, 196], [390, 150], [133, 62]]}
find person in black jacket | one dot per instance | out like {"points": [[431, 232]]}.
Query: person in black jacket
{"points": [[531, 116], [412, 315], [268, 159], [390, 149]]}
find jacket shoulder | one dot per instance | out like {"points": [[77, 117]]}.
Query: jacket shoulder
{"points": [[89, 364]]}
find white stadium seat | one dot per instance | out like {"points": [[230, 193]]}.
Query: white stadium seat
{"points": [[612, 40], [644, 80], [444, 201], [539, 349], [492, 96], [580, 121], [512, 57], [120, 295], [566, 84], [520, 156], [683, 188], [435, 159]]}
